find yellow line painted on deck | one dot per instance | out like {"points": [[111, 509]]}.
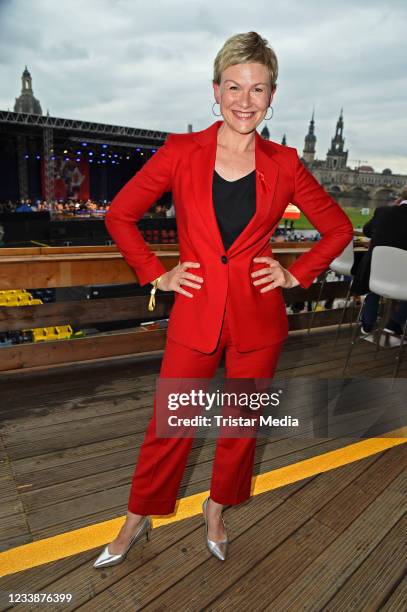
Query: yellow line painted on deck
{"points": [[74, 542]]}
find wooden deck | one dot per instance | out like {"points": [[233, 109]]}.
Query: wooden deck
{"points": [[69, 441]]}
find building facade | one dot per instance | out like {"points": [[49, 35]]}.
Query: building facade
{"points": [[337, 177]]}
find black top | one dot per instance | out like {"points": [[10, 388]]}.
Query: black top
{"points": [[234, 204]]}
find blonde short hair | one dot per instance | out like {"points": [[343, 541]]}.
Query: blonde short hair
{"points": [[245, 48]]}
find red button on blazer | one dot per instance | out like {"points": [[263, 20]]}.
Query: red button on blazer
{"points": [[184, 165]]}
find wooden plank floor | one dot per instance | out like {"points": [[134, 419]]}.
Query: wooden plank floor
{"points": [[69, 442]]}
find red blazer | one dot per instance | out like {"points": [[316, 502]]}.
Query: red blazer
{"points": [[184, 165]]}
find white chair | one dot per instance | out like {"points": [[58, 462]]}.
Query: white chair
{"points": [[388, 279], [341, 265]]}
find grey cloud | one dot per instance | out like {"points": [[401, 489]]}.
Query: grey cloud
{"points": [[66, 49]]}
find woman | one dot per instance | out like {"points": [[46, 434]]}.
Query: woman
{"points": [[230, 188]]}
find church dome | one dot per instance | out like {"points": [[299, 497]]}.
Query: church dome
{"points": [[26, 101]]}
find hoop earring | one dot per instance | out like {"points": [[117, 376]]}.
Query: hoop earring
{"points": [[214, 111], [267, 118]]}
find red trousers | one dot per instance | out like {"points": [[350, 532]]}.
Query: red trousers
{"points": [[162, 461]]}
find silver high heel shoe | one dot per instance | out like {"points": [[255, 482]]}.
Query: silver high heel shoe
{"points": [[106, 559], [218, 549]]}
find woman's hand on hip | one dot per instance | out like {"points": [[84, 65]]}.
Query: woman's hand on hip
{"points": [[273, 275], [173, 279]]}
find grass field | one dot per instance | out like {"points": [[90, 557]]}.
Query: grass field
{"points": [[354, 214]]}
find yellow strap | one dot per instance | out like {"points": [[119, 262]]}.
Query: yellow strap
{"points": [[151, 304]]}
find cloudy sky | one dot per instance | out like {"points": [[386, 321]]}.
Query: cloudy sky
{"points": [[148, 64]]}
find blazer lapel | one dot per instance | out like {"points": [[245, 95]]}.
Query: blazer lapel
{"points": [[202, 164]]}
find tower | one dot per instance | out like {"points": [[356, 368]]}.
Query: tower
{"points": [[336, 157], [284, 140], [26, 102], [309, 143]]}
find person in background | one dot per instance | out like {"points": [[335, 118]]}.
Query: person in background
{"points": [[387, 227], [24, 207], [171, 210]]}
